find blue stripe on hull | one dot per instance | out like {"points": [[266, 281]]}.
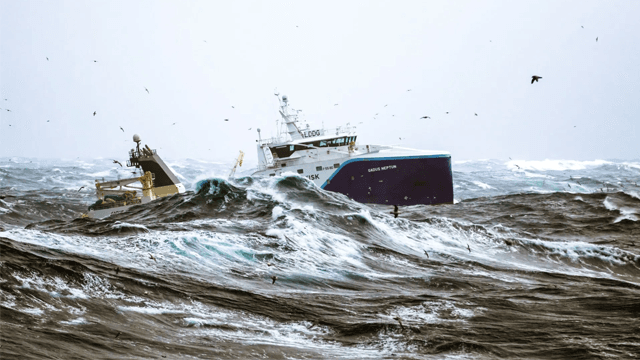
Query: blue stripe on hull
{"points": [[410, 180]]}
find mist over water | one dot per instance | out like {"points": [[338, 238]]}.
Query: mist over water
{"points": [[536, 259]]}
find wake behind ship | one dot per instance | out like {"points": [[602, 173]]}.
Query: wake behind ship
{"points": [[334, 160]]}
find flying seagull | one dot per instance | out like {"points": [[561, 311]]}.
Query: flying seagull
{"points": [[274, 278], [250, 128], [535, 78], [147, 90], [152, 258], [517, 166], [596, 39], [468, 248], [476, 114], [48, 120], [173, 124], [426, 117], [409, 90], [121, 129], [118, 334], [233, 107], [226, 119], [94, 113], [386, 105], [426, 253], [47, 59], [397, 318], [335, 104], [446, 112], [117, 162], [82, 187], [582, 26], [95, 61]]}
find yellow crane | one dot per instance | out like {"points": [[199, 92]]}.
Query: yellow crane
{"points": [[238, 163]]}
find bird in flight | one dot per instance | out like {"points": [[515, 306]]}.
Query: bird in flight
{"points": [[476, 114], [94, 113], [226, 119], [48, 120], [446, 112], [274, 278], [426, 253], [517, 166], [8, 110], [426, 117], [82, 187], [173, 124], [233, 107], [468, 248], [147, 90], [47, 59], [117, 162], [118, 334], [596, 39], [95, 61], [250, 128], [385, 106], [535, 78], [152, 258], [409, 90], [121, 129], [335, 104]]}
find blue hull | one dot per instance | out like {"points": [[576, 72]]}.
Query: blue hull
{"points": [[410, 180]]}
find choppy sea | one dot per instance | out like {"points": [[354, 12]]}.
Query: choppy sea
{"points": [[535, 260]]}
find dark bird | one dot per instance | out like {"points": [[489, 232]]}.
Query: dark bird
{"points": [[117, 270], [249, 128], [94, 113], [233, 107], [95, 60], [468, 248], [582, 26], [152, 258], [535, 78], [446, 112], [226, 119], [335, 104], [47, 59], [395, 211], [173, 124], [579, 183], [476, 114], [509, 158], [569, 186], [596, 39], [118, 334], [82, 187], [426, 117], [386, 105], [274, 278], [397, 318], [517, 166], [409, 90], [147, 90], [48, 120], [426, 253], [8, 110], [117, 162], [121, 129], [508, 242]]}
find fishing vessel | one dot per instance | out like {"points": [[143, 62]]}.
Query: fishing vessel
{"points": [[335, 160], [157, 181]]}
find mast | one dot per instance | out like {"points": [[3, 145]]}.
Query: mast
{"points": [[290, 117]]}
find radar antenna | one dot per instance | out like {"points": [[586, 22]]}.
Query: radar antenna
{"points": [[238, 163]]}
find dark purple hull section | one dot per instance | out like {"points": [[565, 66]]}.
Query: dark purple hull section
{"points": [[409, 180]]}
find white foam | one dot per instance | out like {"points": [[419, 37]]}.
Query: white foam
{"points": [[482, 185]]}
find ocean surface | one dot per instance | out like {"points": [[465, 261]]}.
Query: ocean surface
{"points": [[535, 260]]}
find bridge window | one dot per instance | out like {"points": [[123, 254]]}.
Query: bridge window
{"points": [[318, 168], [335, 166], [300, 171], [284, 164]]}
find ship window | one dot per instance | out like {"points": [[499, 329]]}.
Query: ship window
{"points": [[284, 164], [322, 143], [292, 147], [272, 174], [340, 141], [300, 171], [335, 166], [318, 168]]}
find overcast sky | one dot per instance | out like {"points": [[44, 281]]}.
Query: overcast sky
{"points": [[200, 58]]}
